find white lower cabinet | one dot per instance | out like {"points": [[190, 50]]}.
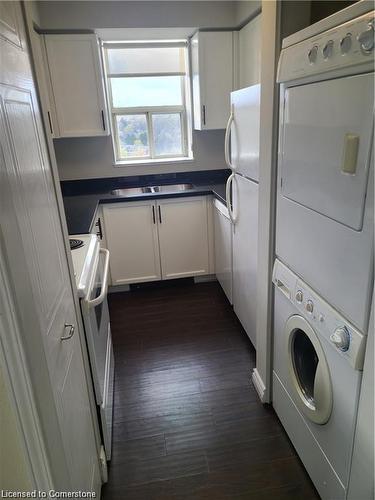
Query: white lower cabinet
{"points": [[183, 237], [223, 248], [132, 239], [153, 240]]}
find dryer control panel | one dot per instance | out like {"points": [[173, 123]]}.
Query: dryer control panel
{"points": [[350, 44], [325, 320]]}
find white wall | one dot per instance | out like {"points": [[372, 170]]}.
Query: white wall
{"points": [[93, 157], [138, 14], [278, 20], [244, 9], [249, 53]]}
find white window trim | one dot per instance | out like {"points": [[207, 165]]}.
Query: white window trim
{"points": [[184, 110]]}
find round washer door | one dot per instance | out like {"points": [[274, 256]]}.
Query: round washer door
{"points": [[308, 371]]}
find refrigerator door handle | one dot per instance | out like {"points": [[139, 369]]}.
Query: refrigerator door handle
{"points": [[226, 140], [229, 198]]}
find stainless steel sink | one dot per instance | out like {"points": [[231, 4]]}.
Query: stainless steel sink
{"points": [[166, 188], [171, 188], [131, 191]]}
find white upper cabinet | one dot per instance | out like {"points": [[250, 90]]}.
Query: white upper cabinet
{"points": [[249, 53], [183, 237], [77, 95], [213, 78]]}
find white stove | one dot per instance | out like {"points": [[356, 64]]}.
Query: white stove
{"points": [[83, 261], [91, 266]]}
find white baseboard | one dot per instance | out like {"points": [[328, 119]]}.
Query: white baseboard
{"points": [[205, 278], [259, 385], [118, 288]]}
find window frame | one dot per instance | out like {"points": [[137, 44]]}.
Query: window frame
{"points": [[183, 110]]}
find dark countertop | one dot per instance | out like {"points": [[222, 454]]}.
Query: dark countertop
{"points": [[80, 211], [80, 206]]}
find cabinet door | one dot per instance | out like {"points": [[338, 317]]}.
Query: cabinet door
{"points": [[132, 239], [77, 85], [223, 248], [183, 237], [212, 68]]}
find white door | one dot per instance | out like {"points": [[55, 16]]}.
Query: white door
{"points": [[326, 136], [32, 242], [132, 240], [245, 131], [77, 85], [183, 237], [245, 242], [223, 248]]}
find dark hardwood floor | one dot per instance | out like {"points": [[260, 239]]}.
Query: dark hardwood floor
{"points": [[187, 421]]}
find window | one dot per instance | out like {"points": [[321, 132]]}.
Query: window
{"points": [[147, 91]]}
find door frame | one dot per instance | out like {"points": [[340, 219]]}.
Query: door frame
{"points": [[278, 20]]}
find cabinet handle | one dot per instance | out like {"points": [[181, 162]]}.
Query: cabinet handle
{"points": [[100, 230], [204, 114], [70, 334], [159, 214], [153, 214], [50, 122], [103, 120]]}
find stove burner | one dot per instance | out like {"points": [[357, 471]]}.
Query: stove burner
{"points": [[74, 243]]}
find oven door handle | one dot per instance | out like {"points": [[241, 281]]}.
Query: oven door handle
{"points": [[99, 299]]}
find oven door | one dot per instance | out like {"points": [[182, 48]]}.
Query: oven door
{"points": [[96, 321]]}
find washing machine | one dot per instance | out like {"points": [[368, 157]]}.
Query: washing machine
{"points": [[318, 356], [325, 199]]}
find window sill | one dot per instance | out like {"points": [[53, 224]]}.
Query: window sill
{"points": [[158, 161]]}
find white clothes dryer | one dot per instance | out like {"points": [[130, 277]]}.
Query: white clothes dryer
{"points": [[325, 199], [318, 357]]}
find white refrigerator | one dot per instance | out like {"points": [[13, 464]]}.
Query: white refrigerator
{"points": [[242, 157]]}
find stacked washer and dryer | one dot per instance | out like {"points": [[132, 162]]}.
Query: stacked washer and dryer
{"points": [[323, 272]]}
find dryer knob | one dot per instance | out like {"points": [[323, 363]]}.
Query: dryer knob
{"points": [[366, 39], [309, 306], [328, 49], [313, 54], [299, 296], [341, 338], [346, 43]]}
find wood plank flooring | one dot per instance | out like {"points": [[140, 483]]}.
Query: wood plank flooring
{"points": [[187, 421]]}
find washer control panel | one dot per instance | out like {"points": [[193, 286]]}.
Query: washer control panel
{"points": [[330, 324], [346, 45]]}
